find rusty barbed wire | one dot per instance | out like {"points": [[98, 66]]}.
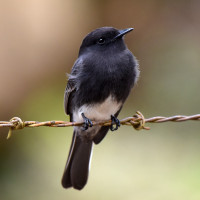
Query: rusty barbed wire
{"points": [[137, 121]]}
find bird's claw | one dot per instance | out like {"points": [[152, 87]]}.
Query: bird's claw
{"points": [[115, 121], [87, 122]]}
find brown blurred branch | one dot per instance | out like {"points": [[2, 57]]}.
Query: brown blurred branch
{"points": [[137, 121]]}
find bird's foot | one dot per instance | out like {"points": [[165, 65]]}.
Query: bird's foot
{"points": [[87, 122], [115, 121]]}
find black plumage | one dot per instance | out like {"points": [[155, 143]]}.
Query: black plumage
{"points": [[100, 81]]}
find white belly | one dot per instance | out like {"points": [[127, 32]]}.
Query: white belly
{"points": [[98, 112]]}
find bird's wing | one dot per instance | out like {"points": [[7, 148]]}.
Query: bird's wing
{"points": [[72, 84], [70, 88]]}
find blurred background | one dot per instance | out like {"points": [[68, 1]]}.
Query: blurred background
{"points": [[39, 42]]}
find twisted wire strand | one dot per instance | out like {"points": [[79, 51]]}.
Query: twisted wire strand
{"points": [[137, 121], [126, 121]]}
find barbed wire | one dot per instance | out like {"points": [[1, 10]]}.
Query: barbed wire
{"points": [[137, 121]]}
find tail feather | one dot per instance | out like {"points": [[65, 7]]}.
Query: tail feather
{"points": [[77, 167]]}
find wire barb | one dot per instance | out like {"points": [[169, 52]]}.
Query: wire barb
{"points": [[138, 122], [17, 123]]}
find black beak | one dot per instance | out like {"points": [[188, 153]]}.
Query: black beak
{"points": [[123, 32]]}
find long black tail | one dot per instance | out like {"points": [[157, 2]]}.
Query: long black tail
{"points": [[77, 166]]}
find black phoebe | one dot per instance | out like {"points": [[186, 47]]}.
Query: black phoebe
{"points": [[99, 83]]}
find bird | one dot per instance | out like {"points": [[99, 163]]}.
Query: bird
{"points": [[98, 85]]}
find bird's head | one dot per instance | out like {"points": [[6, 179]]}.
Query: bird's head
{"points": [[104, 39]]}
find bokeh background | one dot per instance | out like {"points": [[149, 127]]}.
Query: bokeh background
{"points": [[39, 42]]}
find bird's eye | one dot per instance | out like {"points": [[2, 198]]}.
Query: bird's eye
{"points": [[101, 41]]}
